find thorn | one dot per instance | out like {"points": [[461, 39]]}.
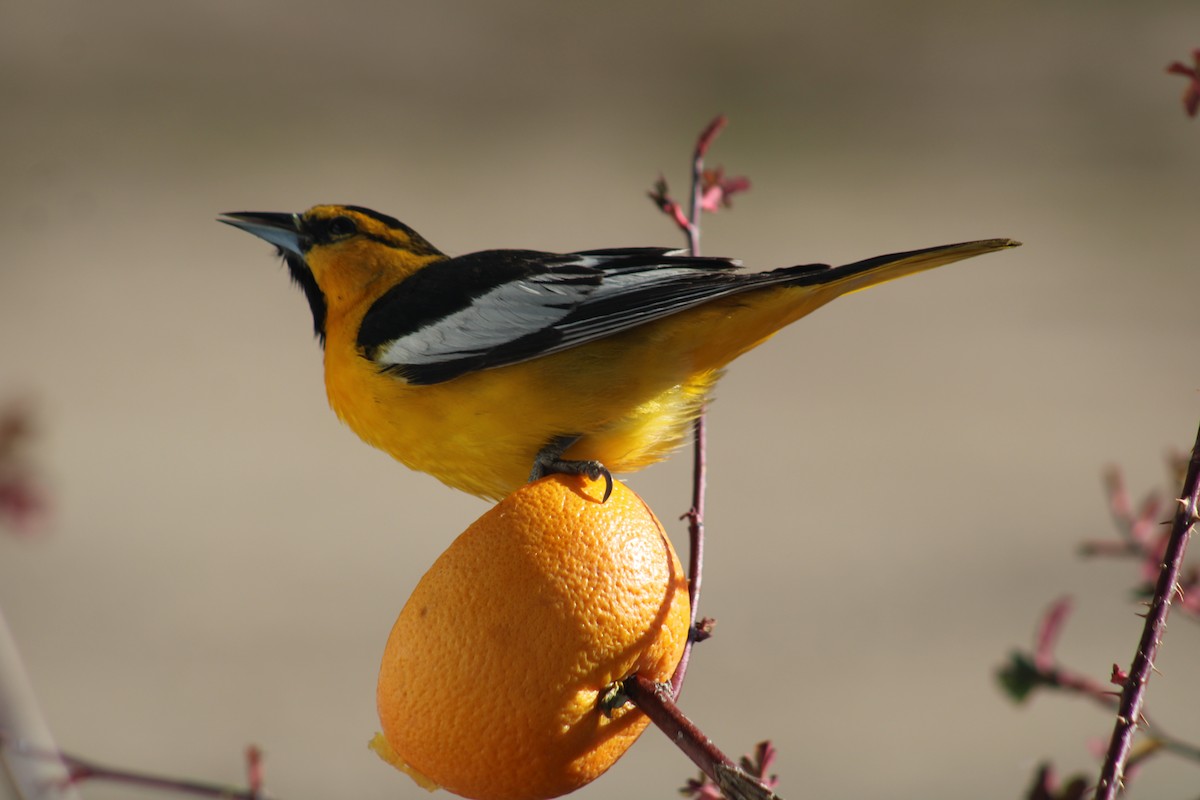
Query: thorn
{"points": [[702, 629], [1190, 507]]}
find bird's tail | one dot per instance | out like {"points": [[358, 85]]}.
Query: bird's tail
{"points": [[861, 274], [775, 299], [819, 284]]}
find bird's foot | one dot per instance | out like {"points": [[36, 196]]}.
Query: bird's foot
{"points": [[549, 461]]}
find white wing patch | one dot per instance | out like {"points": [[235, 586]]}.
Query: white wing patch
{"points": [[508, 312], [530, 305]]}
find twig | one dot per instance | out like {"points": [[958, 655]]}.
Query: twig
{"points": [[79, 769], [82, 769], [1191, 95], [1048, 632], [254, 771], [655, 700], [1134, 694], [695, 517], [690, 226], [1025, 673], [695, 208]]}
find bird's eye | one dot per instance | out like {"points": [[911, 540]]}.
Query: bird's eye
{"points": [[342, 226]]}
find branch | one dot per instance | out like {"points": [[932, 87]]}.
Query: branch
{"points": [[707, 137], [76, 770], [709, 190], [655, 700], [1026, 672], [697, 631], [1133, 697]]}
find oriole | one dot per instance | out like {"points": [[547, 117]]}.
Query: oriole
{"points": [[478, 367]]}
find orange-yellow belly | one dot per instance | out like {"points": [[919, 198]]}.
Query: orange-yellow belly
{"points": [[481, 432], [631, 397]]}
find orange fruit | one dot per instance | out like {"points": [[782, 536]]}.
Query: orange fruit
{"points": [[491, 676]]}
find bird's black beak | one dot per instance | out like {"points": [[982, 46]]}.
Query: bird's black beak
{"points": [[282, 230]]}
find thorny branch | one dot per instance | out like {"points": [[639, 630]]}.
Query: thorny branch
{"points": [[1142, 536], [1133, 697]]}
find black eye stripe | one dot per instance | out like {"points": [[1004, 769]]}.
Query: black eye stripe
{"points": [[328, 230], [324, 231], [342, 226]]}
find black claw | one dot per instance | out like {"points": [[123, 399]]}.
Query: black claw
{"points": [[608, 484], [549, 461], [594, 470]]}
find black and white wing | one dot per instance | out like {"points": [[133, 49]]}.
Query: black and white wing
{"points": [[501, 307]]}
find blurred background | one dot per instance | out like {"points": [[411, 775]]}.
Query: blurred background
{"points": [[898, 484]]}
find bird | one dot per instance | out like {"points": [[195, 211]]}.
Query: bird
{"points": [[490, 369]]}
